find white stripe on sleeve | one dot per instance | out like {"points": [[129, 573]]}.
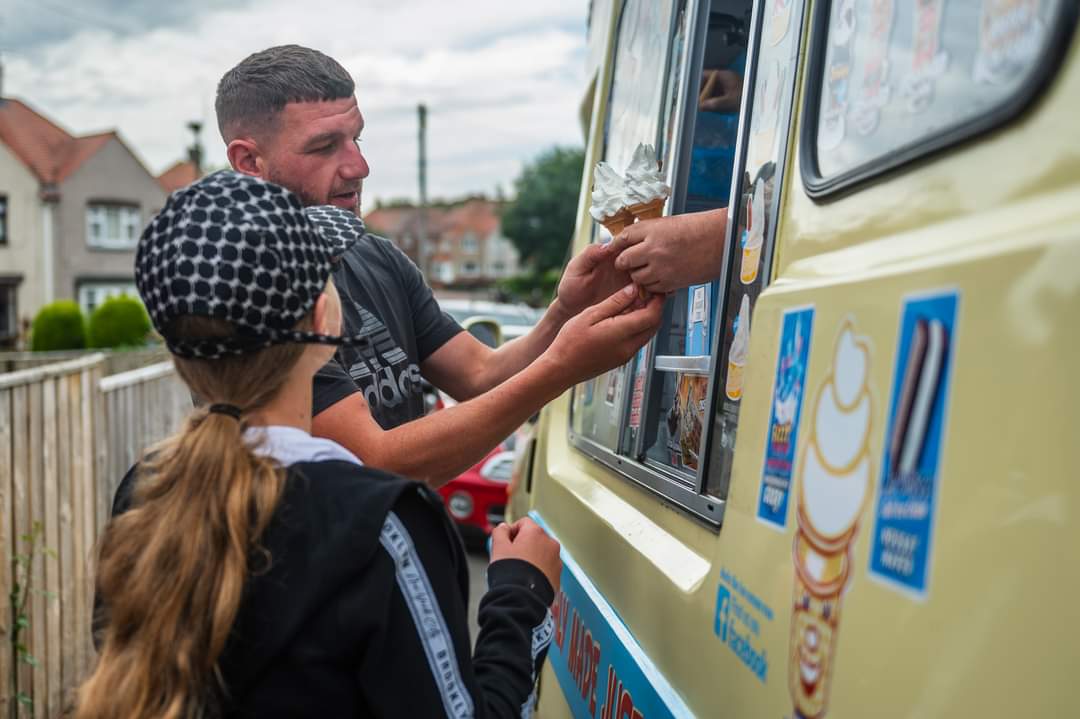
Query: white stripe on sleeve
{"points": [[430, 624]]}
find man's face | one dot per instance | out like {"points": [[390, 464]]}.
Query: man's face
{"points": [[315, 152]]}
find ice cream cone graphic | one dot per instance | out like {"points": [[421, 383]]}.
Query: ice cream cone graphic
{"points": [[740, 347], [755, 235], [835, 473]]}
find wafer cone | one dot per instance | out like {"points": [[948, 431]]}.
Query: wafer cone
{"points": [[648, 210], [618, 222]]}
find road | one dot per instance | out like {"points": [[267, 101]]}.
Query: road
{"points": [[477, 585]]}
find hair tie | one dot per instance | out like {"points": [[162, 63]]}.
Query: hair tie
{"points": [[230, 409]]}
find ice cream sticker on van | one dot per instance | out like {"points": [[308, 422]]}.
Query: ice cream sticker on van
{"points": [[787, 402], [907, 497], [834, 481]]}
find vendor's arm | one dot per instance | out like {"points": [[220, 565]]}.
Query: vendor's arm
{"points": [[438, 447], [464, 367], [669, 253]]}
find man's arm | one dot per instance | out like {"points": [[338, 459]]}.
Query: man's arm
{"points": [[464, 367], [440, 446]]}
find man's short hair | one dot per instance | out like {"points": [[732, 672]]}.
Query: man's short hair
{"points": [[251, 95]]}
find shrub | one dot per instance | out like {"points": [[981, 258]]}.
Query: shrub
{"points": [[58, 326], [120, 321]]}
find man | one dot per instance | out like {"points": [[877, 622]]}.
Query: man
{"points": [[289, 114]]}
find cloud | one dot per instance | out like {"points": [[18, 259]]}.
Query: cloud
{"points": [[502, 81]]}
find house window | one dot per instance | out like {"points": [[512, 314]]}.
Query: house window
{"points": [[469, 243], [112, 227], [93, 294], [3, 220], [470, 268], [9, 308]]}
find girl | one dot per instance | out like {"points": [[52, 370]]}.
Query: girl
{"points": [[251, 569]]}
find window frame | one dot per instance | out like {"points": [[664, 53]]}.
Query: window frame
{"points": [[111, 244], [126, 285], [819, 187], [629, 459], [5, 208], [10, 283]]}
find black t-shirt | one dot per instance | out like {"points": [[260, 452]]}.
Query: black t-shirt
{"points": [[384, 296]]}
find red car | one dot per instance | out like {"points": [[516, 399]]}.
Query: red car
{"points": [[476, 499]]}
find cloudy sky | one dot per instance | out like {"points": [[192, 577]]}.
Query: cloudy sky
{"points": [[502, 80]]}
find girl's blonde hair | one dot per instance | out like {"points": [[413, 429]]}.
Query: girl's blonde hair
{"points": [[172, 569]]}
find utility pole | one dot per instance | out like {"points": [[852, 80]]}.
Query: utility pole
{"points": [[424, 252], [195, 152]]}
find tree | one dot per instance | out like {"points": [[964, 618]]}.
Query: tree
{"points": [[540, 219]]}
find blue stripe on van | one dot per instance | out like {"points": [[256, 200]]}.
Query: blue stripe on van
{"points": [[602, 670]]}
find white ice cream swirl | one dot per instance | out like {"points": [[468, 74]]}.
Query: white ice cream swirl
{"points": [[644, 182], [740, 346], [607, 194]]}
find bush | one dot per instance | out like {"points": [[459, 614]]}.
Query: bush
{"points": [[119, 322], [58, 326]]}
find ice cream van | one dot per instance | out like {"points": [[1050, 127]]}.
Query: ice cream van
{"points": [[844, 478]]}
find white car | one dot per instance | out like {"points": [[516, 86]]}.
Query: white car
{"points": [[515, 320]]}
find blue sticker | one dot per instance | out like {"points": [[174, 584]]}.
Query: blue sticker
{"points": [[602, 670], [787, 401], [907, 496], [738, 623], [699, 300]]}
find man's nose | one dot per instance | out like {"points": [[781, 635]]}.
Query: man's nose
{"points": [[356, 166]]}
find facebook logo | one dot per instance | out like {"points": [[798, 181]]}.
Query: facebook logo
{"points": [[723, 611]]}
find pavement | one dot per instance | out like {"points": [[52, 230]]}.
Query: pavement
{"points": [[478, 561]]}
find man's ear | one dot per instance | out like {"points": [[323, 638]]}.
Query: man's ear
{"points": [[244, 156]]}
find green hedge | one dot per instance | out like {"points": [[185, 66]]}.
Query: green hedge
{"points": [[119, 321], [58, 326]]}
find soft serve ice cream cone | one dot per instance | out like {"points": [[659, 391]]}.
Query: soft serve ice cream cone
{"points": [[740, 347], [607, 200], [835, 478], [755, 235], [645, 192]]}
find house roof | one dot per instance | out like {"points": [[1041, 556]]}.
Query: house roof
{"points": [[46, 149], [181, 174]]}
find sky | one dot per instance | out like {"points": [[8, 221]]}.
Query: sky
{"points": [[502, 80]]}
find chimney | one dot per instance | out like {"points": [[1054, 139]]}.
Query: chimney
{"points": [[195, 152]]}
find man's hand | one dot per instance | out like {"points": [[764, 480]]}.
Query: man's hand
{"points": [[605, 335], [721, 91], [589, 278], [669, 253]]}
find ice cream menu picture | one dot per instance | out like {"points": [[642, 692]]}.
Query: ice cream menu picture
{"points": [[907, 498]]}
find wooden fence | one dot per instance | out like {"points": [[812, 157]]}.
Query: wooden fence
{"points": [[67, 435]]}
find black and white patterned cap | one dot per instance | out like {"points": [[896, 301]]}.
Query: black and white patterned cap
{"points": [[238, 248]]}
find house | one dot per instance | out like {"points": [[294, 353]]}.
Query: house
{"points": [[73, 210], [460, 246]]}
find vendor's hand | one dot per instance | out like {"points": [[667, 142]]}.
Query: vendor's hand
{"points": [[669, 253], [604, 336], [589, 278], [721, 91]]}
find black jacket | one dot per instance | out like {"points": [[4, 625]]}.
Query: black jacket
{"points": [[363, 611]]}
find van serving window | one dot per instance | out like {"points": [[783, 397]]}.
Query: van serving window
{"points": [[667, 420], [889, 81]]}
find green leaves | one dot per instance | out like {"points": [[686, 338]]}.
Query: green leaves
{"points": [[540, 220], [22, 565]]}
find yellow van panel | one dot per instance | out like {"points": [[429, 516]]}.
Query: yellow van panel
{"points": [[997, 220]]}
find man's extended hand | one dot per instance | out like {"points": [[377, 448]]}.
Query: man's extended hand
{"points": [[605, 335], [589, 278], [669, 253]]}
